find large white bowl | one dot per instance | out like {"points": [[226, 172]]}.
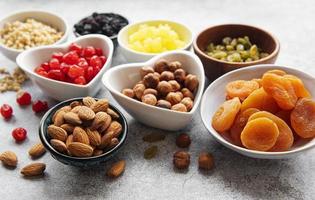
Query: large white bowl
{"points": [[43, 16], [32, 58], [215, 96], [127, 75], [135, 56]]}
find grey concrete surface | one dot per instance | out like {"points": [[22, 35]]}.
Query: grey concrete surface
{"points": [[234, 177]]}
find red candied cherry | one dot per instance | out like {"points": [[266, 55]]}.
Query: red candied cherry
{"points": [[99, 51], [75, 47], [39, 69], [103, 59], [54, 63], [57, 55], [64, 67], [75, 71], [80, 80], [83, 63], [89, 73], [71, 58], [56, 74], [45, 66], [23, 98], [96, 70], [43, 73], [39, 106], [88, 51], [95, 61], [6, 111], [19, 134]]}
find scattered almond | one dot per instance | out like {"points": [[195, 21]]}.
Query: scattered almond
{"points": [[37, 150], [79, 135], [100, 106], [80, 150], [56, 132], [59, 145], [34, 169], [116, 169], [72, 118], [9, 158]]}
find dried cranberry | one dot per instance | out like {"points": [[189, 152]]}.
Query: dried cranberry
{"points": [[64, 68], [39, 69], [58, 55], [54, 63], [23, 98], [39, 106], [96, 70], [6, 111], [75, 71], [45, 66], [103, 59], [56, 74], [83, 64], [43, 73], [71, 58], [80, 80], [75, 47], [89, 73], [88, 51], [99, 51], [95, 61], [19, 134]]}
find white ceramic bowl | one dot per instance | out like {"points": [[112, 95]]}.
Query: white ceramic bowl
{"points": [[215, 96], [127, 75], [135, 56], [32, 58], [43, 16]]}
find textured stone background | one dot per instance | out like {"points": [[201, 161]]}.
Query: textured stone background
{"points": [[234, 177]]}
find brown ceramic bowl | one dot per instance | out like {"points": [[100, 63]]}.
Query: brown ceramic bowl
{"points": [[215, 68]]}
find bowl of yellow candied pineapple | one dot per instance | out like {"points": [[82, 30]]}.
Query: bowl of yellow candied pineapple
{"points": [[263, 111], [143, 40]]}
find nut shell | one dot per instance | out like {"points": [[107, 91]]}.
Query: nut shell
{"points": [[164, 104], [173, 98], [179, 107], [149, 99], [181, 159], [138, 89], [128, 92], [164, 88], [146, 70], [161, 66], [151, 80]]}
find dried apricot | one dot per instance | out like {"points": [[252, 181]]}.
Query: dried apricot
{"points": [[284, 115], [260, 134], [281, 89], [261, 100], [277, 72], [298, 85], [241, 89], [224, 117], [239, 124], [303, 118], [258, 80], [285, 139]]}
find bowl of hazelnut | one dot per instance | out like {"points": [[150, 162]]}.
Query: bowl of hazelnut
{"points": [[163, 92]]}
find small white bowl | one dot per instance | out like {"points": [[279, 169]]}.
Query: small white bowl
{"points": [[127, 75], [43, 16], [32, 58], [214, 96], [136, 56]]}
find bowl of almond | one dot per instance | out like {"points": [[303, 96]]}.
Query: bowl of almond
{"points": [[83, 131]]}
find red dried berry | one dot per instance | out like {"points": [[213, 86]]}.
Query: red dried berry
{"points": [[80, 80], [103, 59], [75, 47], [6, 111], [39, 106], [23, 98], [88, 51], [75, 71], [99, 51], [64, 68], [45, 66], [19, 134], [89, 73], [54, 63], [71, 58], [56, 74], [58, 55], [95, 61]]}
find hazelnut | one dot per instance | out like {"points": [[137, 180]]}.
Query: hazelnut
{"points": [[157, 75], [180, 75], [164, 88], [138, 89], [128, 92], [175, 85], [151, 80], [150, 91], [180, 94], [164, 104], [187, 93], [205, 161], [173, 66], [181, 159], [191, 82], [146, 70], [173, 98], [179, 107], [166, 76], [161, 66], [183, 140], [149, 99], [188, 103]]}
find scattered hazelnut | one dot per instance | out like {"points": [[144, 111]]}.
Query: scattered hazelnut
{"points": [[164, 88], [128, 92], [149, 99], [181, 159], [183, 140], [175, 85], [187, 93], [173, 98], [146, 70], [161, 66], [173, 66], [150, 91], [191, 82], [166, 76], [180, 75], [164, 104], [188, 103], [151, 80], [205, 161], [179, 107], [138, 90]]}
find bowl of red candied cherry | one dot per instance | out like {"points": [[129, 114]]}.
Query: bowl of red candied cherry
{"points": [[69, 70]]}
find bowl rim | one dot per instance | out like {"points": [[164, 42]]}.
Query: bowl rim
{"points": [[255, 62], [234, 147], [63, 38], [85, 37], [53, 151], [124, 29], [150, 62]]}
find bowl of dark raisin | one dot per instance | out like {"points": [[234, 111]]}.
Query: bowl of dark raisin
{"points": [[108, 24]]}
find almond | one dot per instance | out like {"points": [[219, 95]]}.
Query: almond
{"points": [[106, 139], [76, 109], [100, 106], [79, 135], [99, 120], [33, 169], [94, 137], [58, 119], [88, 101], [103, 128], [97, 152], [113, 143], [116, 169], [80, 150], [75, 104], [37, 150], [56, 132], [115, 127], [86, 113], [66, 108], [69, 140], [72, 118], [59, 145], [9, 158], [112, 113], [67, 127]]}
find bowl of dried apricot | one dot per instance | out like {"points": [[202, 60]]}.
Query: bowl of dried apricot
{"points": [[83, 131], [263, 111]]}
